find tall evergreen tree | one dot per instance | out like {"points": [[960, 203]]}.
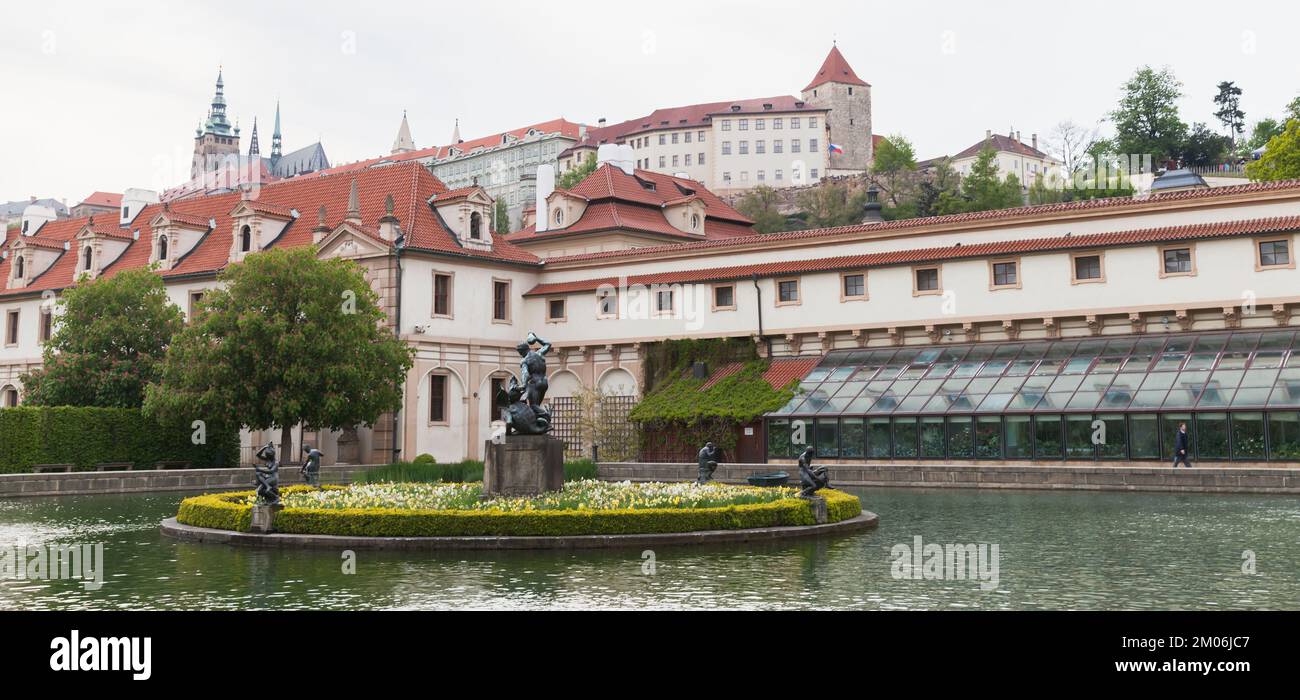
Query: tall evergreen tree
{"points": [[1146, 118], [1229, 112]]}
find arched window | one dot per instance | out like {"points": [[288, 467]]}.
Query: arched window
{"points": [[246, 239], [10, 397], [20, 268], [162, 248], [87, 256], [559, 217], [475, 226]]}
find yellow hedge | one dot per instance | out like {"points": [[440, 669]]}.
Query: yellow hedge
{"points": [[221, 511]]}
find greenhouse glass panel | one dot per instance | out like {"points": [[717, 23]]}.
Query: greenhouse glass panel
{"points": [[778, 438], [1019, 441], [1114, 440], [851, 437], [960, 438], [905, 435], [1047, 437], [878, 438], [1248, 437], [1212, 436], [988, 437], [932, 437], [1078, 437], [1284, 435], [826, 438], [1144, 438]]}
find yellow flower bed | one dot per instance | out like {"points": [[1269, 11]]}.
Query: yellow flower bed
{"points": [[233, 511]]}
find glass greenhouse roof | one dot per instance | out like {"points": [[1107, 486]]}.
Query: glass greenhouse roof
{"points": [[1190, 371]]}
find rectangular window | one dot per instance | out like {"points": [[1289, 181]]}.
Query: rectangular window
{"points": [[776, 123], [1087, 268], [778, 146], [759, 124], [794, 122], [724, 297], [11, 328], [47, 323], [726, 125], [663, 161], [796, 145], [812, 121], [1275, 253], [664, 301], [700, 137], [442, 294], [812, 145], [663, 139], [555, 310], [688, 160], [744, 148], [687, 137], [760, 146], [853, 286], [1176, 261], [926, 281], [744, 125], [778, 174], [852, 437], [675, 137], [726, 177], [787, 292], [607, 303], [813, 173], [437, 398], [675, 161], [726, 148], [762, 175], [1005, 273], [500, 300]]}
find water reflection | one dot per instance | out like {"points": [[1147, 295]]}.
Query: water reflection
{"points": [[1070, 550]]}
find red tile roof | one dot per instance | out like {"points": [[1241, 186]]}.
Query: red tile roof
{"points": [[1113, 204], [561, 126], [1005, 144], [410, 186], [690, 116], [783, 371], [103, 199], [636, 202], [835, 69], [937, 254]]}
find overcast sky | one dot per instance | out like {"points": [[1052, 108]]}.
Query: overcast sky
{"points": [[106, 95]]}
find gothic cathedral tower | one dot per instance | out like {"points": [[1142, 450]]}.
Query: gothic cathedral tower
{"points": [[837, 88], [215, 140]]}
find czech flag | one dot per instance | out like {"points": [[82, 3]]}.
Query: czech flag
{"points": [[836, 149]]}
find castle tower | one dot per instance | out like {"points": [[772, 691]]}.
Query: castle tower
{"points": [[837, 88], [403, 143], [215, 141]]}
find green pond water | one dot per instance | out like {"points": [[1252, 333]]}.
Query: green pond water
{"points": [[1056, 550]]}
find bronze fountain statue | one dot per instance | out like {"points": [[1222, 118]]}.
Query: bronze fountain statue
{"points": [[522, 398]]}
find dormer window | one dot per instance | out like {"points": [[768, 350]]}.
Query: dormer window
{"points": [[559, 217], [126, 213], [25, 224], [245, 239], [20, 268], [476, 226], [695, 222], [87, 258], [162, 248]]}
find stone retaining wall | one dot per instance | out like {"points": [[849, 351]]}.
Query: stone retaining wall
{"points": [[82, 483], [1096, 478]]}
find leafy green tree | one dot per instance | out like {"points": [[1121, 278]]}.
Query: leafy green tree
{"points": [[940, 183], [572, 177], [1146, 118], [1263, 131], [286, 339], [894, 168], [832, 204], [1041, 193], [109, 343], [1204, 147], [760, 204], [501, 218], [982, 189], [1281, 159], [1229, 112]]}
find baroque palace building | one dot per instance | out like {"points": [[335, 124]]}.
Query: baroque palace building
{"points": [[996, 335]]}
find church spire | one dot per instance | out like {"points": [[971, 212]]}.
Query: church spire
{"points": [[403, 143], [217, 123], [275, 137], [455, 134], [253, 149]]}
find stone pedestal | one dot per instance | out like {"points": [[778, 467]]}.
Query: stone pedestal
{"points": [[523, 465], [263, 519], [818, 505]]}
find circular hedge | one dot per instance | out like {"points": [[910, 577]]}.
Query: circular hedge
{"points": [[233, 511]]}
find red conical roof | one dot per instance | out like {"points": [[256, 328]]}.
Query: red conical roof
{"points": [[836, 70]]}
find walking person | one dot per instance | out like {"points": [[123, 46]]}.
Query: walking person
{"points": [[1182, 443]]}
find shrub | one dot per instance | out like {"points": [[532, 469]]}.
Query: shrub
{"points": [[425, 458], [232, 511], [86, 436]]}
